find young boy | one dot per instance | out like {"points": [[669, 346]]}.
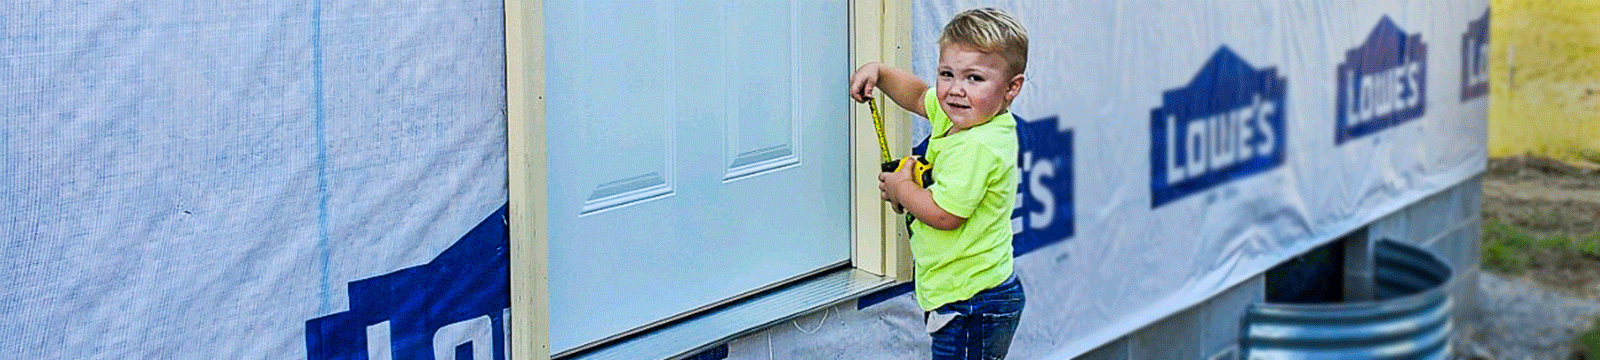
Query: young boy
{"points": [[961, 241]]}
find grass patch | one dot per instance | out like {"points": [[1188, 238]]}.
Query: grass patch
{"points": [[1509, 248], [1506, 247], [1590, 246], [1589, 342], [1589, 155]]}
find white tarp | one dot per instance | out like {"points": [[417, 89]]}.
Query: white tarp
{"points": [[271, 180], [212, 180], [1209, 141]]}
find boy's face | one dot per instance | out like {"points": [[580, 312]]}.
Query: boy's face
{"points": [[974, 86]]}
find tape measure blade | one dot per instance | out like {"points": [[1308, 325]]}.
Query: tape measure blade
{"points": [[877, 123]]}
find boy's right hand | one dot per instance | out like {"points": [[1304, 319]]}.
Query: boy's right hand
{"points": [[862, 82], [898, 85]]}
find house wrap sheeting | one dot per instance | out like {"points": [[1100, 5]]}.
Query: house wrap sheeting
{"points": [[247, 179], [327, 180], [1174, 151], [1210, 141]]}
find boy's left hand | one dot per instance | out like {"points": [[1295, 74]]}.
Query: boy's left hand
{"points": [[891, 185]]}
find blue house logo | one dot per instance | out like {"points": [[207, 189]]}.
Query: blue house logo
{"points": [[1043, 212], [454, 307], [1226, 124], [1382, 83], [1475, 58]]}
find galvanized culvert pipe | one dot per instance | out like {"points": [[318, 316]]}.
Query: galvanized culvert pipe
{"points": [[1408, 319]]}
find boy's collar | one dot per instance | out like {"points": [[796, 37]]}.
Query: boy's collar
{"points": [[985, 122]]}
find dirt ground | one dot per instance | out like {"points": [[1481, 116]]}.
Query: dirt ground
{"points": [[1550, 199], [1542, 228]]}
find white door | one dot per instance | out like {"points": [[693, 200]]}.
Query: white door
{"points": [[698, 151]]}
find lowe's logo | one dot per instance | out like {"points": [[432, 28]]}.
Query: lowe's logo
{"points": [[1382, 83], [1475, 58], [1226, 124], [454, 307], [1043, 211]]}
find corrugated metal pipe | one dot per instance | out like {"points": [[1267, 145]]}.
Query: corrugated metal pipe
{"points": [[1409, 319]]}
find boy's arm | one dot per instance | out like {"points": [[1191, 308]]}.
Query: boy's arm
{"points": [[899, 190], [901, 86]]}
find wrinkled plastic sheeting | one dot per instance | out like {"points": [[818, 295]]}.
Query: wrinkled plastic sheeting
{"points": [[196, 180], [1119, 79]]}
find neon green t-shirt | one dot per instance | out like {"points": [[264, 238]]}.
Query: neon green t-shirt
{"points": [[974, 177]]}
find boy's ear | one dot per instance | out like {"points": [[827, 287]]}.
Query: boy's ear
{"points": [[1014, 87]]}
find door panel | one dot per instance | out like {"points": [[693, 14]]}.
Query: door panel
{"points": [[633, 162], [763, 131], [698, 151]]}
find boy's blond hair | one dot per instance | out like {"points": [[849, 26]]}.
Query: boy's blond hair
{"points": [[991, 31]]}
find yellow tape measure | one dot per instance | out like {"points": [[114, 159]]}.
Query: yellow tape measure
{"points": [[921, 169], [877, 122]]}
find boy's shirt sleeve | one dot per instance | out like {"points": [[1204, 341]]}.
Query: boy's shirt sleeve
{"points": [[959, 182], [937, 120]]}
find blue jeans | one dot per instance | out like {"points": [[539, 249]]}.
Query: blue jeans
{"points": [[981, 327]]}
